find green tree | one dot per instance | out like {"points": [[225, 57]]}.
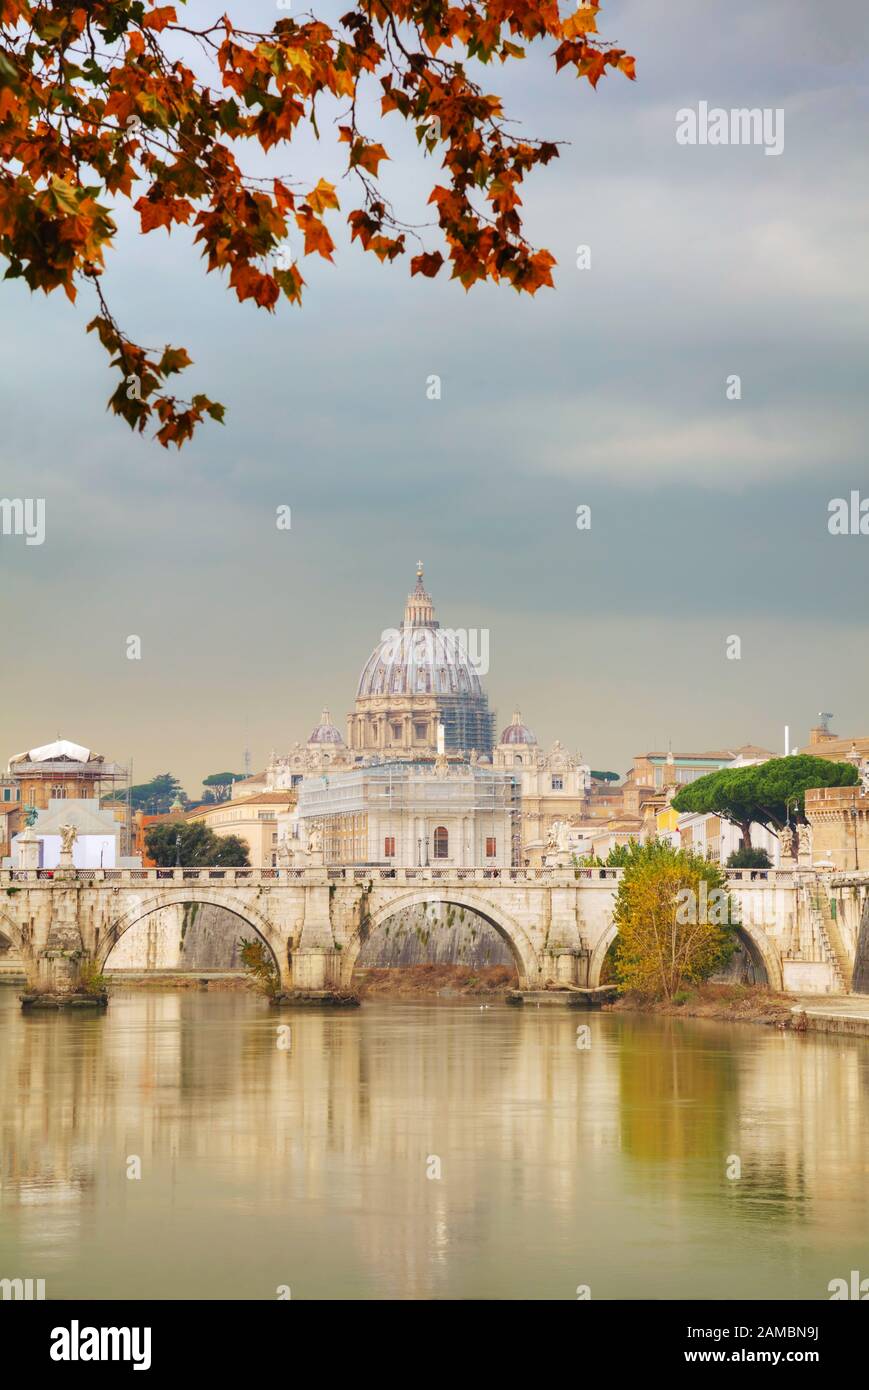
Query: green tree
{"points": [[199, 847], [219, 785], [674, 917], [768, 794], [620, 855], [747, 858], [156, 797]]}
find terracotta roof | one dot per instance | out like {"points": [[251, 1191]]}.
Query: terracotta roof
{"points": [[282, 798]]}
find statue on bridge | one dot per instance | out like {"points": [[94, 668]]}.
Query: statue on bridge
{"points": [[68, 837], [789, 841]]}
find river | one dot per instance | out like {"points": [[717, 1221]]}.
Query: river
{"points": [[425, 1150]]}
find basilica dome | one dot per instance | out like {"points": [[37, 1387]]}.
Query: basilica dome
{"points": [[326, 731], [517, 732], [420, 657]]}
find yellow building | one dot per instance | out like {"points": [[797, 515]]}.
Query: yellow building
{"points": [[253, 819]]}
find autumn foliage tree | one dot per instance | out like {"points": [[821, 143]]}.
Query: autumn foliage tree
{"points": [[667, 936], [99, 103]]}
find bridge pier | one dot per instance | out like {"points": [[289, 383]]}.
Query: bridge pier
{"points": [[566, 965]]}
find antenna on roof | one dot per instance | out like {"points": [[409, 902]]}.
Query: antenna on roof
{"points": [[247, 762]]}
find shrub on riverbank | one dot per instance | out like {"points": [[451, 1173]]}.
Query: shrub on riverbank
{"points": [[673, 914], [259, 965]]}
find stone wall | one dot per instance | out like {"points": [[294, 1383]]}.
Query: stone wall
{"points": [[188, 936], [839, 820], [438, 934]]}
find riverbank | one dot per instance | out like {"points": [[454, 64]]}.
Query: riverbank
{"points": [[433, 981], [727, 1003], [376, 982], [156, 980]]}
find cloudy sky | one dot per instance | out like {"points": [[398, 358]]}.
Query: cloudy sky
{"points": [[709, 516]]}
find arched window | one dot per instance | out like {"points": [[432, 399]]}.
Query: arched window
{"points": [[517, 760], [441, 842]]}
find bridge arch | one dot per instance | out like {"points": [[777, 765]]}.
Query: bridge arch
{"points": [[527, 961], [149, 903], [12, 933], [752, 937]]}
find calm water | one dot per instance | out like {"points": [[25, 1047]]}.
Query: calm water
{"points": [[307, 1167]]}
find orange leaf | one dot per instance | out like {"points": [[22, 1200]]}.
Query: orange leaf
{"points": [[429, 263], [323, 196], [158, 19], [582, 21], [367, 156]]}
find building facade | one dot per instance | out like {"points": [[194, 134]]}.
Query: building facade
{"points": [[556, 786], [254, 819], [405, 815], [59, 771]]}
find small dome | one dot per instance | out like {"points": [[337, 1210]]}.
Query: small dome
{"points": [[517, 732], [326, 732]]}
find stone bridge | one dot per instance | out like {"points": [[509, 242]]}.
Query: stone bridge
{"points": [[801, 929]]}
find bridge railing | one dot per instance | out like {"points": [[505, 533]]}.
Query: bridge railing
{"points": [[591, 874]]}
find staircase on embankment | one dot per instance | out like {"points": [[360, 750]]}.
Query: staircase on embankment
{"points": [[826, 929]]}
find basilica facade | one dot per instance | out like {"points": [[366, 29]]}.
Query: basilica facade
{"points": [[419, 700]]}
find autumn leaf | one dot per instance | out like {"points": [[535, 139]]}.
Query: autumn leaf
{"points": [[582, 21], [322, 197], [367, 157], [174, 360], [429, 263], [157, 19]]}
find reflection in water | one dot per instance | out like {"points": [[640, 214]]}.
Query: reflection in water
{"points": [[559, 1166]]}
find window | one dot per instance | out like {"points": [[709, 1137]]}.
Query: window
{"points": [[389, 847], [558, 784], [295, 779], [262, 815], [517, 760], [7, 794], [421, 731], [58, 793], [441, 842], [490, 846], [689, 774], [396, 731]]}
